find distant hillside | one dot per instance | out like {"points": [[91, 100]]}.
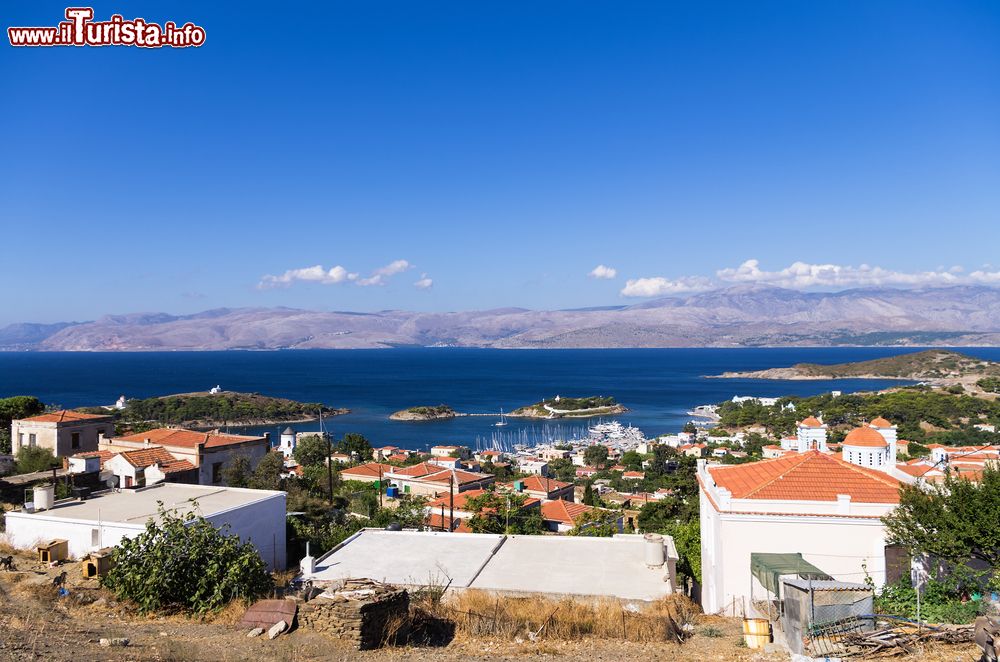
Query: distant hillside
{"points": [[740, 316], [932, 364]]}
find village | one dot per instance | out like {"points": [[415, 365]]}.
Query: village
{"points": [[787, 544]]}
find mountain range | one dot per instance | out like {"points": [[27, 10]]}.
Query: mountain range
{"points": [[739, 316]]}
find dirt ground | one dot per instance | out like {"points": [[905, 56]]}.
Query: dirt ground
{"points": [[37, 624]]}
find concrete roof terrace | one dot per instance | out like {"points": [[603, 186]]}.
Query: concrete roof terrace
{"points": [[551, 565], [139, 506]]}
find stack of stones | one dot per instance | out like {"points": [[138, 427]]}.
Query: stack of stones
{"points": [[364, 612]]}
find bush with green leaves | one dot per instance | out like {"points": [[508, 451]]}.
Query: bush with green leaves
{"points": [[940, 602], [35, 458], [181, 563]]}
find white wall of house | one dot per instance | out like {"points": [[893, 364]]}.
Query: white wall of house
{"points": [[840, 546], [261, 522], [60, 438]]}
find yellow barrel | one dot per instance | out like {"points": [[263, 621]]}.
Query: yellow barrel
{"points": [[756, 632]]}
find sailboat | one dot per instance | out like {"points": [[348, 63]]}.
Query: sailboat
{"points": [[502, 422]]}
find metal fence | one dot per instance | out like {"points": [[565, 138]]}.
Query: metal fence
{"points": [[819, 614]]}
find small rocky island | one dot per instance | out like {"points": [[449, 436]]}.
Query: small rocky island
{"points": [[560, 407], [424, 413]]}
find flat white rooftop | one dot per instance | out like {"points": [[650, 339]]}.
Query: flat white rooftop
{"points": [[412, 558], [139, 506], [552, 565]]}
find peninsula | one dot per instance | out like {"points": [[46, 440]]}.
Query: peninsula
{"points": [[560, 407], [205, 409], [424, 413], [940, 366]]}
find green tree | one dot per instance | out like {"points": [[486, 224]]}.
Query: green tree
{"points": [[237, 472], [494, 512], [590, 496], [597, 523], [355, 445], [563, 469], [596, 456], [957, 521], [267, 474], [184, 564], [631, 460], [311, 450], [35, 458]]}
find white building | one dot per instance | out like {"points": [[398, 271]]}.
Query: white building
{"points": [[287, 442], [107, 518], [62, 432], [812, 503], [873, 445], [810, 435]]}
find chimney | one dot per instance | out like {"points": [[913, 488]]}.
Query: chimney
{"points": [[147, 441], [843, 504]]}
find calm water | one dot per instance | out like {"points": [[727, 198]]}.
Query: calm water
{"points": [[658, 385]]}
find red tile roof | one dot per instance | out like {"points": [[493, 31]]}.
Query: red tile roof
{"points": [[565, 512], [176, 466], [369, 470], [539, 484], [811, 476], [65, 416], [461, 499], [865, 437], [145, 457], [181, 438]]}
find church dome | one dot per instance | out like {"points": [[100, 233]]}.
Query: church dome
{"points": [[865, 436], [880, 423]]}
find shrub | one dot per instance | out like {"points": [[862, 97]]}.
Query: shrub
{"points": [[34, 458], [183, 563]]}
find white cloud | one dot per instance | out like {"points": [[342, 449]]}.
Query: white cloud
{"points": [[382, 274], [802, 275], [316, 274], [658, 286], [424, 283], [603, 272], [333, 276]]}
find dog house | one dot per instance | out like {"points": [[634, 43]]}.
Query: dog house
{"points": [[97, 564], [53, 550]]}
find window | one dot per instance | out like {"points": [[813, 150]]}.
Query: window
{"points": [[75, 440], [216, 472], [95, 537], [20, 439], [32, 440]]}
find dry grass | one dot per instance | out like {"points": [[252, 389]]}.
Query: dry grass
{"points": [[483, 614]]}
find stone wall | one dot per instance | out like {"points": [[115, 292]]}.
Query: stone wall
{"points": [[366, 613]]}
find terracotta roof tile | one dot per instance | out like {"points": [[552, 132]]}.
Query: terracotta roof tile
{"points": [[811, 476], [865, 437], [65, 416], [145, 457], [179, 437], [565, 512], [369, 470]]}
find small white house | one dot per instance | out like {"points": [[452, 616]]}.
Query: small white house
{"points": [[107, 518]]}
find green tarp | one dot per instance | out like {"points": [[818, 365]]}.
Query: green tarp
{"points": [[767, 568]]}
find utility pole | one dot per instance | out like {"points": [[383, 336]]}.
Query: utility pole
{"points": [[451, 499], [380, 490], [329, 456]]}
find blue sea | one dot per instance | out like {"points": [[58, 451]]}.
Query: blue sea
{"points": [[657, 385]]}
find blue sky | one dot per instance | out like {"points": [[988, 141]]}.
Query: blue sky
{"points": [[496, 153]]}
